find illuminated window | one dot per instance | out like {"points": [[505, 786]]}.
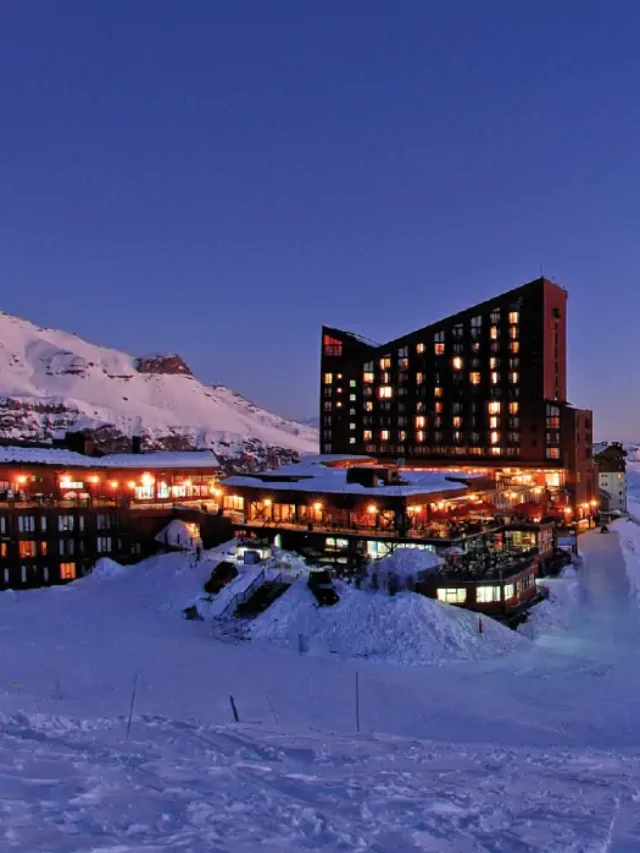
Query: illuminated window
{"points": [[420, 421], [514, 317], [385, 392], [439, 407], [402, 435], [509, 591], [514, 346], [367, 377], [494, 422], [437, 392], [494, 363], [457, 437], [453, 595], [384, 435], [514, 378], [339, 390], [493, 333], [513, 332], [67, 571], [328, 378], [495, 377], [419, 378], [352, 398], [494, 437], [368, 406], [457, 421], [496, 451], [474, 378], [352, 426], [438, 349], [367, 435], [26, 524], [457, 363], [352, 439], [27, 549], [494, 407], [331, 346], [513, 408], [385, 363], [420, 435], [419, 348], [486, 594], [553, 453]]}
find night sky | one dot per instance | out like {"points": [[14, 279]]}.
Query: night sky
{"points": [[220, 178]]}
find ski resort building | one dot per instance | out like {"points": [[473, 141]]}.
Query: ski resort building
{"points": [[612, 478], [60, 510], [484, 387]]}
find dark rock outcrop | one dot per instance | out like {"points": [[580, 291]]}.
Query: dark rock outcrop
{"points": [[166, 363]]}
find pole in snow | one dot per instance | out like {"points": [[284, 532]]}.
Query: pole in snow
{"points": [[234, 710], [480, 625], [132, 703], [357, 701]]}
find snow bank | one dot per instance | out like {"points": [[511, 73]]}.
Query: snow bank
{"points": [[554, 613], [106, 568], [629, 533], [178, 534], [403, 629], [404, 565]]}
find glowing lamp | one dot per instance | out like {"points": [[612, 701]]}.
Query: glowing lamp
{"points": [[21, 479], [317, 506], [568, 510], [131, 484], [372, 509], [94, 479], [147, 479], [114, 484], [594, 503], [267, 501]]}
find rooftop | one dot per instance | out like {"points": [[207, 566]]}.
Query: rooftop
{"points": [[54, 457]]}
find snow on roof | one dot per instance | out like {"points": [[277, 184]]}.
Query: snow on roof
{"points": [[316, 477], [12, 454]]}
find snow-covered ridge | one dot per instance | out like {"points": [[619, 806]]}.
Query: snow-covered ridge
{"points": [[52, 381]]}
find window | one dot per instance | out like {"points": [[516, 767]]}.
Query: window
{"points": [[402, 435], [385, 362], [66, 546], [509, 591], [453, 595], [420, 435], [26, 524], [457, 421], [494, 363], [328, 378], [485, 594], [513, 408], [494, 437], [494, 422], [352, 426], [437, 391], [494, 317], [352, 383], [493, 333], [327, 405], [352, 439], [553, 453], [420, 421], [385, 392], [352, 398], [330, 346], [494, 407], [438, 349], [420, 348], [438, 407], [103, 544], [458, 331], [367, 435], [67, 571], [3, 524], [384, 435], [367, 377], [514, 378], [476, 322], [513, 333], [419, 378], [514, 317], [233, 502], [27, 548], [514, 346], [495, 377], [103, 522], [474, 378], [457, 363]]}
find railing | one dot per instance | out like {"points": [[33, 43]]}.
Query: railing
{"points": [[245, 595], [450, 534]]}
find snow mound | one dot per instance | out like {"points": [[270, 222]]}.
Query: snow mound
{"points": [[106, 568], [404, 629], [178, 534], [407, 563], [553, 615]]}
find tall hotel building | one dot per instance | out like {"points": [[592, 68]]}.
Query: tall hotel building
{"points": [[486, 387]]}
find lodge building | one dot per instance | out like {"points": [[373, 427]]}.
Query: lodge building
{"points": [[60, 511], [486, 386]]}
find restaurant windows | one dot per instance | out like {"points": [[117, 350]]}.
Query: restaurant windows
{"points": [[27, 548], [452, 595], [487, 594], [331, 346], [103, 544], [26, 524], [67, 571]]}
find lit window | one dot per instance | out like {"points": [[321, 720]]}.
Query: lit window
{"points": [[352, 426], [514, 346], [513, 408], [385, 363], [553, 453], [420, 421], [509, 591], [352, 383], [338, 405], [437, 392], [494, 407], [494, 437], [514, 317], [384, 435], [495, 377], [493, 333], [453, 595], [494, 363], [419, 348], [439, 407], [328, 378], [438, 349], [385, 392], [496, 451], [367, 435], [419, 378], [514, 378], [457, 421], [352, 398], [513, 332], [493, 422], [402, 435], [457, 363], [368, 406], [67, 571], [352, 439], [420, 436], [486, 594], [474, 378], [27, 549], [339, 390], [367, 377]]}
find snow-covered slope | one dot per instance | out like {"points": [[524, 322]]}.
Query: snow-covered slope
{"points": [[51, 380]]}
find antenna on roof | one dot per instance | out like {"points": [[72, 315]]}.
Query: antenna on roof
{"points": [[541, 276]]}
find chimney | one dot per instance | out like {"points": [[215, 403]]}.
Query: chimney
{"points": [[136, 444]]}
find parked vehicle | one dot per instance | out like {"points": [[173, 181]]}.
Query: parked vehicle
{"points": [[223, 573], [321, 585]]}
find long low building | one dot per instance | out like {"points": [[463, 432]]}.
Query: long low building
{"points": [[60, 510]]}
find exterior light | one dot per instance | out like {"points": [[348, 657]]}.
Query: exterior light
{"points": [[187, 483], [114, 484], [21, 479], [317, 506], [147, 479], [568, 510], [372, 508], [217, 492], [131, 484], [594, 503], [63, 480], [94, 479], [267, 501]]}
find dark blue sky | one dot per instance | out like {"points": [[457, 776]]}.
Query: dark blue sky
{"points": [[219, 178]]}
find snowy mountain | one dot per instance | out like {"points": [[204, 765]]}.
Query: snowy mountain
{"points": [[52, 381]]}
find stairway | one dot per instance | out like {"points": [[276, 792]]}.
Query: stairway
{"points": [[263, 597]]}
